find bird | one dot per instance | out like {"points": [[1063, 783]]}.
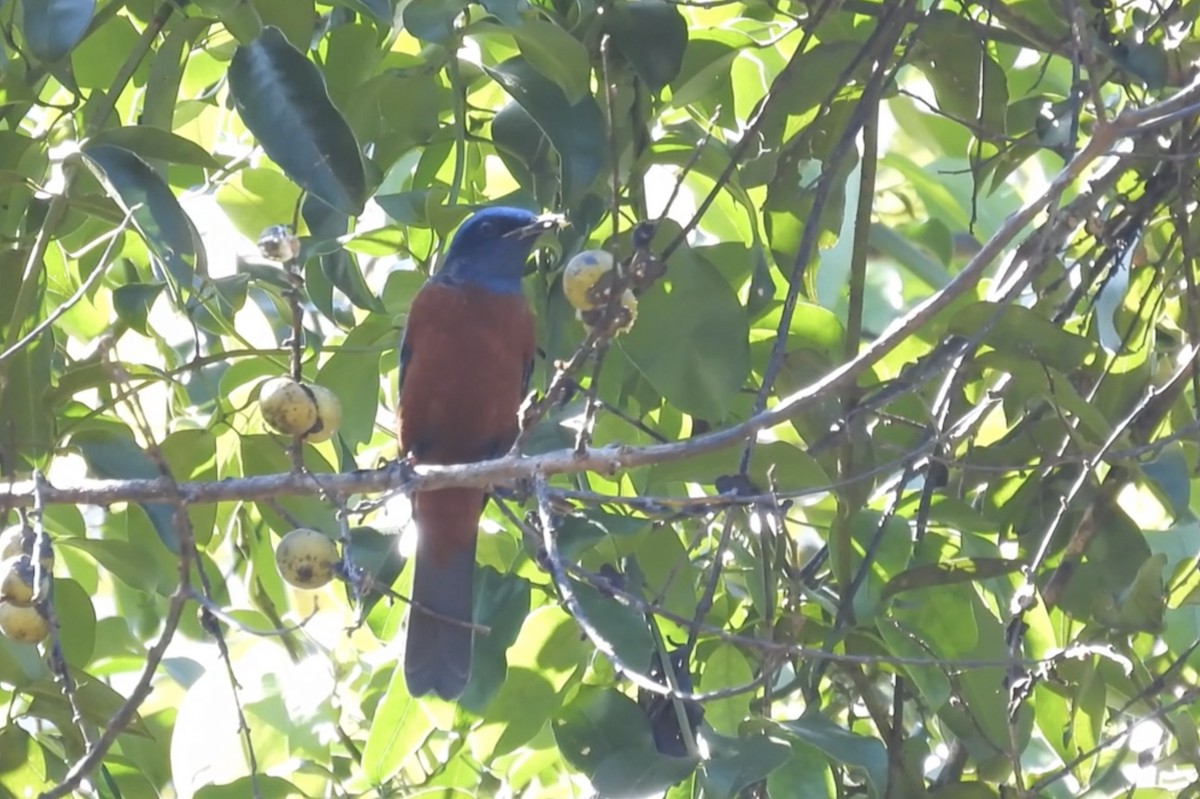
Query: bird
{"points": [[466, 359]]}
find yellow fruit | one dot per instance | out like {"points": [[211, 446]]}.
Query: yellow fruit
{"points": [[16, 580], [20, 541], [306, 558], [24, 624], [582, 273], [623, 316], [329, 414], [11, 543], [279, 243], [287, 407]]}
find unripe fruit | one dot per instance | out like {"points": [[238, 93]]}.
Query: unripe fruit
{"points": [[287, 407], [11, 543], [329, 413], [581, 274], [16, 580], [587, 284], [623, 316], [306, 558], [24, 624]]}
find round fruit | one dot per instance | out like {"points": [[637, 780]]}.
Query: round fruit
{"points": [[279, 243], [20, 541], [306, 558], [12, 542], [287, 407], [329, 413], [582, 273], [16, 580], [24, 624], [623, 316]]}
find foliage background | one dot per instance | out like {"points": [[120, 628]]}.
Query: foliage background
{"points": [[984, 209]]}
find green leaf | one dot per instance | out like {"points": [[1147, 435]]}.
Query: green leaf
{"points": [[579, 532], [553, 52], [867, 755], [751, 760], [523, 704], [1140, 607], [575, 129], [123, 559], [22, 763], [961, 570], [353, 373], [622, 628], [501, 605], [398, 729], [22, 400], [726, 667], [261, 786], [263, 454], [1169, 473], [53, 27], [634, 773], [77, 621], [111, 452], [155, 212], [432, 20], [151, 143], [652, 35], [806, 773], [597, 724], [339, 266], [133, 302], [691, 339], [966, 79], [1020, 331], [280, 96]]}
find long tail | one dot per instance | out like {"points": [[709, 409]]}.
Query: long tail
{"points": [[437, 657]]}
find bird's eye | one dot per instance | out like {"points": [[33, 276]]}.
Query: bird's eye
{"points": [[489, 229]]}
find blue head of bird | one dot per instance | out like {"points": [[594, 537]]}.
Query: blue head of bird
{"points": [[490, 249]]}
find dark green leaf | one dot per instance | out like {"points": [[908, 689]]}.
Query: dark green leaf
{"points": [[264, 454], [620, 627], [123, 559], [77, 621], [31, 422], [652, 35], [133, 302], [53, 27], [501, 604], [575, 129], [856, 751], [634, 773], [339, 266], [597, 724], [691, 339], [281, 97], [111, 452], [156, 213], [963, 570], [556, 54], [432, 20], [968, 82], [751, 760], [1020, 331], [1169, 474], [154, 143]]}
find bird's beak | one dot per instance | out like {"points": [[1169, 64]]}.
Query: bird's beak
{"points": [[539, 226]]}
